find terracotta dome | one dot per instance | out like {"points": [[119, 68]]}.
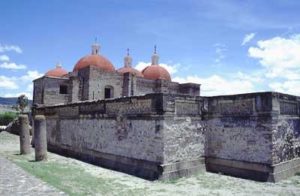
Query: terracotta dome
{"points": [[131, 70], [155, 72], [57, 72], [96, 60]]}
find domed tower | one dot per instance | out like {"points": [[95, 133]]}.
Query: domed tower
{"points": [[155, 71], [128, 67], [58, 71], [95, 59]]}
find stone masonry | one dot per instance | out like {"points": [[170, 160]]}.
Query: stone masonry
{"points": [[165, 136]]}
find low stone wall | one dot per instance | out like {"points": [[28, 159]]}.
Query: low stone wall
{"points": [[249, 135], [133, 135], [162, 136]]}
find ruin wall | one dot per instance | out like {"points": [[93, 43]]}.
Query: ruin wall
{"points": [[137, 135]]}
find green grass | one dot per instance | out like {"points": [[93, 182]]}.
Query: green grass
{"points": [[7, 117], [71, 179]]}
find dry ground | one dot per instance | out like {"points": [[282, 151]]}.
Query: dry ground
{"points": [[79, 178]]}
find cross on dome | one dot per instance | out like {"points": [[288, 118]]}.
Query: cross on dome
{"points": [[95, 47], [155, 57]]}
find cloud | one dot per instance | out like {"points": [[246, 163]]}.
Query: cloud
{"points": [[8, 83], [279, 56], [7, 48], [172, 69], [4, 58], [31, 75], [10, 65], [290, 87], [11, 85], [218, 85], [248, 38], [220, 50]]}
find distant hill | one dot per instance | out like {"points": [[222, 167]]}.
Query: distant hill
{"points": [[10, 101]]}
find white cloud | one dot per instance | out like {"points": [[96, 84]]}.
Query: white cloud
{"points": [[170, 68], [8, 83], [220, 50], [24, 83], [7, 48], [10, 65], [279, 56], [31, 75], [217, 85], [4, 58], [289, 87], [248, 38]]}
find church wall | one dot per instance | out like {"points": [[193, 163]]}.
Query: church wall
{"points": [[47, 91], [51, 91], [38, 91], [144, 86], [98, 80]]}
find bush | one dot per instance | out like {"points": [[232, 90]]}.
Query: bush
{"points": [[7, 117]]}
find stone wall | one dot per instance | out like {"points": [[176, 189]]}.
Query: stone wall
{"points": [[99, 79], [286, 128], [163, 136], [253, 135], [131, 132], [47, 90]]}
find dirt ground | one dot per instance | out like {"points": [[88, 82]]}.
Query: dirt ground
{"points": [[78, 178]]}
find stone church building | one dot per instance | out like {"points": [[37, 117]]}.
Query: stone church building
{"points": [[94, 77], [143, 124]]}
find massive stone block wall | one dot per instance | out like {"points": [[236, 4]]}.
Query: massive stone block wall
{"points": [[160, 136], [137, 135], [253, 135], [286, 135], [238, 129]]}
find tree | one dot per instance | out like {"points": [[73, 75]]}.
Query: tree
{"points": [[22, 102]]}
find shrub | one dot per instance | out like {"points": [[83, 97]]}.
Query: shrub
{"points": [[7, 117]]}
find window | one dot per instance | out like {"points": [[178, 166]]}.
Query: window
{"points": [[108, 92], [63, 89]]}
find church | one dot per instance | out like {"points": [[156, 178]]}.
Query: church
{"points": [[143, 124], [94, 77]]}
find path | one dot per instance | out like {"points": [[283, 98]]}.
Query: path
{"points": [[15, 181]]}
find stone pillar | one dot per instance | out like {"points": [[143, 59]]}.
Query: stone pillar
{"points": [[40, 138], [24, 134], [32, 133]]}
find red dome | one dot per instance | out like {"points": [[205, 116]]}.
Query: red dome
{"points": [[155, 72], [131, 70], [57, 72], [96, 60]]}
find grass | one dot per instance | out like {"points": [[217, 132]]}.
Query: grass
{"points": [[7, 117], [71, 179]]}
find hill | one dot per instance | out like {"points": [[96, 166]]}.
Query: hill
{"points": [[10, 101]]}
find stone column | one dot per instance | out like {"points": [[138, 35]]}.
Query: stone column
{"points": [[24, 134], [40, 138]]}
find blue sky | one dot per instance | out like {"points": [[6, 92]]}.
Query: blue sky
{"points": [[229, 46]]}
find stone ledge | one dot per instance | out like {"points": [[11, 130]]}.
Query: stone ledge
{"points": [[140, 168], [254, 171]]}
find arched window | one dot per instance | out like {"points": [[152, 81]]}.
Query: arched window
{"points": [[108, 92]]}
